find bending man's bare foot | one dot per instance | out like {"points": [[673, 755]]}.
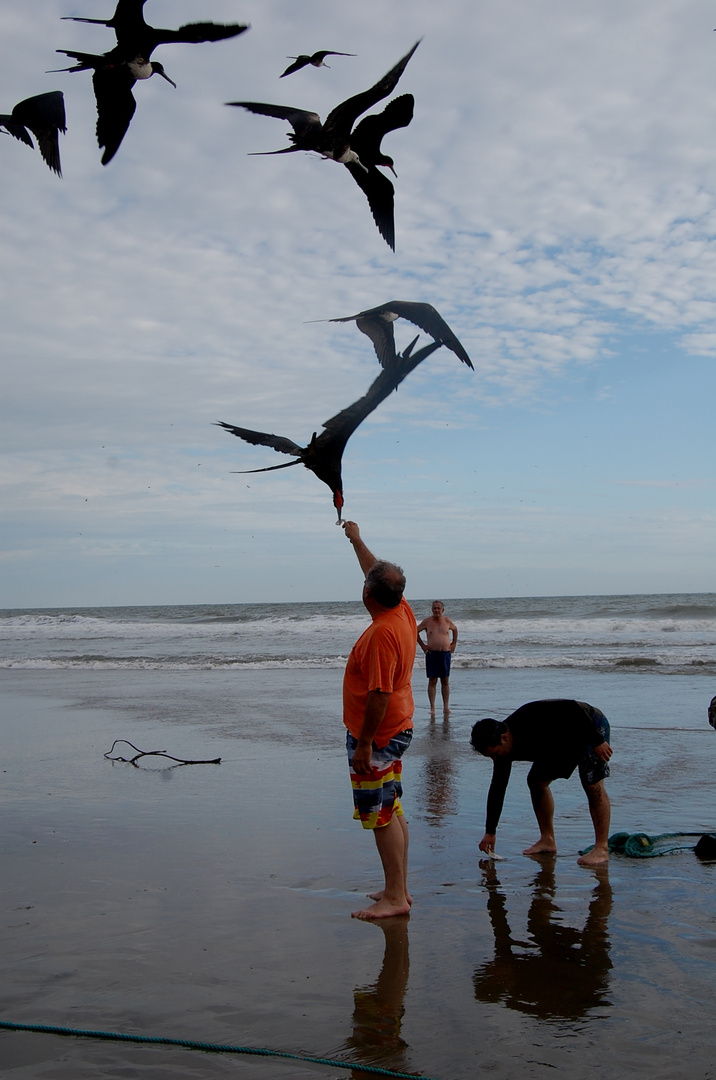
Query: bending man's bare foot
{"points": [[544, 846], [383, 909], [379, 896], [596, 857]]}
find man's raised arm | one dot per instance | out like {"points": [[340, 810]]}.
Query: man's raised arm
{"points": [[366, 558]]}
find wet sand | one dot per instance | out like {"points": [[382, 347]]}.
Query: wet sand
{"points": [[212, 902]]}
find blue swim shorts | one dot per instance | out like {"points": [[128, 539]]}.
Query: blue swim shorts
{"points": [[437, 664], [376, 795]]}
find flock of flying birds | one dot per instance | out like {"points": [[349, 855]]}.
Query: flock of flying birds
{"points": [[342, 137]]}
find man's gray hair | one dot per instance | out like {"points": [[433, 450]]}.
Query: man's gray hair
{"points": [[386, 583]]}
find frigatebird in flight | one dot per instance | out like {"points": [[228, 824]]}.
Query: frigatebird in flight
{"points": [[44, 115], [377, 323], [333, 138], [365, 141], [136, 38], [113, 80], [324, 453], [316, 60], [116, 72]]}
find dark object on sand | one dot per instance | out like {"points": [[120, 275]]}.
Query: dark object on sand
{"points": [[642, 846], [712, 712], [44, 115], [316, 60], [155, 753], [706, 847], [324, 453]]}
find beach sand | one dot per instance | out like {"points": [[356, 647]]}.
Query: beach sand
{"points": [[212, 902]]}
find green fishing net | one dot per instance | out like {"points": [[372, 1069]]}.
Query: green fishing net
{"points": [[640, 845]]}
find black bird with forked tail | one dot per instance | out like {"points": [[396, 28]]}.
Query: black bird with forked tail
{"points": [[377, 324], [44, 115], [331, 139], [365, 142], [316, 60], [136, 38], [116, 72], [324, 453]]}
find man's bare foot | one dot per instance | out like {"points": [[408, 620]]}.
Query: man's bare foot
{"points": [[595, 857], [382, 910], [379, 896], [446, 713], [432, 714], [542, 847]]}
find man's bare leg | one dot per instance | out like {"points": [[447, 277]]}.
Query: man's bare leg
{"points": [[391, 841], [543, 806], [432, 690], [404, 827], [600, 811], [445, 690]]}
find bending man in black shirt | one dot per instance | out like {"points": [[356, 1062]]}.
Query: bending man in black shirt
{"points": [[558, 736]]}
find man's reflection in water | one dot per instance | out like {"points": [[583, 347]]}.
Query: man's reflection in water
{"points": [[436, 781], [378, 1008], [559, 973]]}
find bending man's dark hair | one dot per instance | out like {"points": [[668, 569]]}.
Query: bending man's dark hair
{"points": [[487, 732], [386, 583]]}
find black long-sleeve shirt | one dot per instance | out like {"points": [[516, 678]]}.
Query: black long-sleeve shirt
{"points": [[554, 734]]}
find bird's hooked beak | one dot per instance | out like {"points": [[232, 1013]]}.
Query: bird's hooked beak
{"points": [[159, 70], [338, 503]]}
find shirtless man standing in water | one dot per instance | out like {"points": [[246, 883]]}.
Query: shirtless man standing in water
{"points": [[441, 634]]}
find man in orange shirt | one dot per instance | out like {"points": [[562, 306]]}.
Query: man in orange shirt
{"points": [[378, 712]]}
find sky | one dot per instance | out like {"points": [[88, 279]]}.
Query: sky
{"points": [[555, 201]]}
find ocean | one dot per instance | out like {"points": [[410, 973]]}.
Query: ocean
{"points": [[667, 634], [212, 902]]}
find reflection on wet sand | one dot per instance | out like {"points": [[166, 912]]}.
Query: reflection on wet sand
{"points": [[378, 1008], [559, 973], [435, 787]]}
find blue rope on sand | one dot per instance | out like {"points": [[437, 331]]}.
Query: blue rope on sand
{"points": [[220, 1048]]}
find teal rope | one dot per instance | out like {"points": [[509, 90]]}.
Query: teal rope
{"points": [[117, 1036]]}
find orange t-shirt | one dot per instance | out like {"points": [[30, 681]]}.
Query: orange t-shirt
{"points": [[382, 659]]}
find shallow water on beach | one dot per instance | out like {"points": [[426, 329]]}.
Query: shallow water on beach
{"points": [[212, 902]]}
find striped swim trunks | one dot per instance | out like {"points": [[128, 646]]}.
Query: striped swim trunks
{"points": [[376, 795]]}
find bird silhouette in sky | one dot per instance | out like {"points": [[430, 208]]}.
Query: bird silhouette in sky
{"points": [[377, 324], [324, 453], [136, 38], [113, 80], [116, 71], [316, 60], [365, 141], [331, 139], [44, 115]]}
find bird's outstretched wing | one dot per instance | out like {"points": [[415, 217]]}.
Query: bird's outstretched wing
{"points": [[341, 119], [380, 194], [303, 122], [341, 426], [369, 132], [115, 107], [44, 115], [373, 322], [316, 59], [263, 438], [192, 33]]}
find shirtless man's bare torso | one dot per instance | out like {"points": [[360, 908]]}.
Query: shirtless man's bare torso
{"points": [[441, 639]]}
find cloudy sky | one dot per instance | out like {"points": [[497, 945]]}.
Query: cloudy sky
{"points": [[555, 200]]}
